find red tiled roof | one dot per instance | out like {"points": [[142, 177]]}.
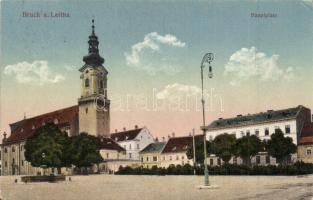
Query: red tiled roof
{"points": [[307, 130], [180, 144], [306, 136], [24, 129], [108, 143], [125, 135], [306, 140]]}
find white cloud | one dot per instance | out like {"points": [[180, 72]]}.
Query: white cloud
{"points": [[307, 4], [143, 54], [69, 67], [246, 63], [37, 72], [177, 90]]}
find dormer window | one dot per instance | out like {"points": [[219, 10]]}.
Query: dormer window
{"points": [[22, 130], [174, 148], [86, 82], [33, 127], [87, 71], [116, 139], [126, 137], [55, 121]]}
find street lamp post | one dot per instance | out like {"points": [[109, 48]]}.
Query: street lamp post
{"points": [[207, 58]]}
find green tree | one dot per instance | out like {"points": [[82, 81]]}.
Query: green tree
{"points": [[246, 147], [199, 151], [86, 151], [224, 146], [45, 147], [280, 147]]}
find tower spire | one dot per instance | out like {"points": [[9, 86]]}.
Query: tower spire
{"points": [[93, 58], [93, 26]]}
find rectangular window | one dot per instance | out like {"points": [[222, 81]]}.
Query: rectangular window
{"points": [[5, 164], [242, 133], [219, 161], [155, 158], [267, 159], [308, 152], [130, 155], [258, 160], [277, 129], [147, 159], [22, 162], [287, 129], [170, 157], [177, 157], [266, 132], [248, 132], [130, 146], [5, 150], [234, 160], [13, 149], [211, 161], [0, 155], [138, 146], [257, 132]]}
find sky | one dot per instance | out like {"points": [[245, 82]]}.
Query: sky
{"points": [[263, 55]]}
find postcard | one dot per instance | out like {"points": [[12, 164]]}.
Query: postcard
{"points": [[156, 99]]}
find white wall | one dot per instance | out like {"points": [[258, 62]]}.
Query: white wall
{"points": [[143, 139], [211, 134], [174, 158]]}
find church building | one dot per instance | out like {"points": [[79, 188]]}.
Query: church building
{"points": [[90, 115]]}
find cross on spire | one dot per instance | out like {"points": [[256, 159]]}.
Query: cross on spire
{"points": [[93, 58]]}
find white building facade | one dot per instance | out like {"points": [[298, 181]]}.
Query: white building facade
{"points": [[290, 121], [174, 151], [133, 141]]}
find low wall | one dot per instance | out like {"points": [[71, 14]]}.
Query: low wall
{"points": [[42, 178]]}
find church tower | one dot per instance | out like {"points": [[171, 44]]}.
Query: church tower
{"points": [[94, 105]]}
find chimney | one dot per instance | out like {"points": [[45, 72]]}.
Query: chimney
{"points": [[163, 139], [24, 115], [157, 139], [115, 130], [124, 128], [136, 126], [168, 137], [173, 134], [4, 136]]}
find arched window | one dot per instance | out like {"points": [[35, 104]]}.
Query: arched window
{"points": [[86, 82]]}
